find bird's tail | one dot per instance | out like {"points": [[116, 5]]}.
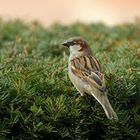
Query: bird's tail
{"points": [[110, 113]]}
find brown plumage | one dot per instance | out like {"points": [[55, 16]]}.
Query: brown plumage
{"points": [[86, 74], [88, 68]]}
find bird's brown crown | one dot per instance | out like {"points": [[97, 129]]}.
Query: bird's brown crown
{"points": [[76, 41], [80, 42]]}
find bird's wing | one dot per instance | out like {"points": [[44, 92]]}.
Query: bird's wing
{"points": [[88, 69]]}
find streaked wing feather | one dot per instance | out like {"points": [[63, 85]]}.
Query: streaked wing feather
{"points": [[96, 78], [88, 68]]}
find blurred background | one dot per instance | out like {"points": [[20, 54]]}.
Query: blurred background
{"points": [[110, 12]]}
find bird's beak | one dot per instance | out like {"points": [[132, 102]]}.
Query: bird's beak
{"points": [[68, 43]]}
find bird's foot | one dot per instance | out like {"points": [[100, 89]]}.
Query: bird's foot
{"points": [[77, 95]]}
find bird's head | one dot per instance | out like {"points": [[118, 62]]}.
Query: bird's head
{"points": [[78, 46]]}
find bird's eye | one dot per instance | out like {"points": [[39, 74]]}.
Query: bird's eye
{"points": [[72, 43]]}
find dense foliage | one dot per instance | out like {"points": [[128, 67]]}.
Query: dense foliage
{"points": [[37, 99]]}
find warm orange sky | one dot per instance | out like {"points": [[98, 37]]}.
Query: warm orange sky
{"points": [[68, 11]]}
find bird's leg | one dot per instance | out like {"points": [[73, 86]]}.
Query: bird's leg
{"points": [[77, 94]]}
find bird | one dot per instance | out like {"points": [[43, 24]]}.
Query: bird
{"points": [[85, 73]]}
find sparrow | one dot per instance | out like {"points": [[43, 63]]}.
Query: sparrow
{"points": [[85, 73]]}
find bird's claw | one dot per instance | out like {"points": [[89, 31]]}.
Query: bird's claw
{"points": [[77, 95]]}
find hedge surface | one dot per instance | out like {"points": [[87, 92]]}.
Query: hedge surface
{"points": [[37, 99]]}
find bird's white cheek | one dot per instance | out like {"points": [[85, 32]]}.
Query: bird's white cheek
{"points": [[74, 48]]}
